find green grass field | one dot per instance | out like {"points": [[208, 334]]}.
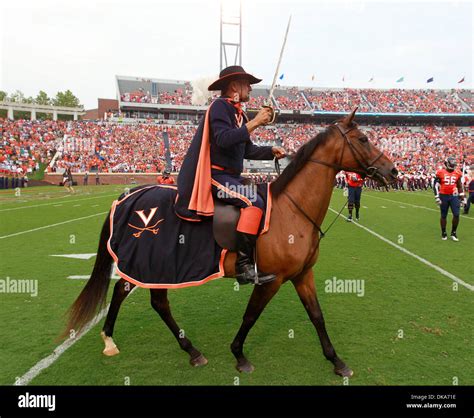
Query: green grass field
{"points": [[401, 296]]}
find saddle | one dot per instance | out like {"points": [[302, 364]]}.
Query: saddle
{"points": [[224, 225], [226, 217]]}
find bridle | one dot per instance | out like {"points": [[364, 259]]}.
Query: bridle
{"points": [[367, 170]]}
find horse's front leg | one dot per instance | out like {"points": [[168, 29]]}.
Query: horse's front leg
{"points": [[304, 285], [261, 295]]}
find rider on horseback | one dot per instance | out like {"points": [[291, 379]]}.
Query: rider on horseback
{"points": [[214, 163]]}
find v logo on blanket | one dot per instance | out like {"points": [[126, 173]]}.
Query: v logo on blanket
{"points": [[146, 220]]}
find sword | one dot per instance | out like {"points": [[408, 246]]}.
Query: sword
{"points": [[268, 103]]}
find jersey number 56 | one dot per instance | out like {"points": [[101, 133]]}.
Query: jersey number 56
{"points": [[449, 180]]}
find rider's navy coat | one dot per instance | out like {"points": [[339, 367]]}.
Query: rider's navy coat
{"points": [[222, 140]]}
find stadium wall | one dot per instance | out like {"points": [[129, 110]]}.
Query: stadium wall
{"points": [[106, 178]]}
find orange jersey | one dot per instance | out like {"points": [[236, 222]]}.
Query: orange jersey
{"points": [[165, 180], [448, 180], [354, 180]]}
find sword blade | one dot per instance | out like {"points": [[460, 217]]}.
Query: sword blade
{"points": [[272, 88]]}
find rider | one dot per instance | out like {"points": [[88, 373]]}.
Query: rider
{"points": [[214, 162]]}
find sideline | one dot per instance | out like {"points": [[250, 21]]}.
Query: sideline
{"points": [[50, 226], [404, 250]]}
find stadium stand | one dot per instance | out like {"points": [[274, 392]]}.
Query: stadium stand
{"points": [[137, 139], [139, 147]]}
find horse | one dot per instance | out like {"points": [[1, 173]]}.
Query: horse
{"points": [[301, 197]]}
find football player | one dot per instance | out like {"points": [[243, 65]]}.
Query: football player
{"points": [[449, 194], [354, 183]]}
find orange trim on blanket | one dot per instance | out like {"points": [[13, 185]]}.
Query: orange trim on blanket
{"points": [[145, 188], [201, 199], [231, 193]]}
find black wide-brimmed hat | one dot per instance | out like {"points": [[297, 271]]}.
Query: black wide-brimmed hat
{"points": [[234, 72]]}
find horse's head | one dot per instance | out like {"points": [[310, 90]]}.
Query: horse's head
{"points": [[359, 155]]}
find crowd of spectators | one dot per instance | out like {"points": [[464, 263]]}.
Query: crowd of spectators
{"points": [[337, 100], [292, 100], [180, 96], [112, 147], [138, 96], [422, 149], [25, 143], [342, 100], [414, 149], [256, 102], [106, 146]]}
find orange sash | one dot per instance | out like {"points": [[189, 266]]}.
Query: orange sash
{"points": [[201, 199]]}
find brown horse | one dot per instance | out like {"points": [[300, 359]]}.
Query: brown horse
{"points": [[290, 248]]}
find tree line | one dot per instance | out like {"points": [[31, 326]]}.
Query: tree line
{"points": [[65, 99]]}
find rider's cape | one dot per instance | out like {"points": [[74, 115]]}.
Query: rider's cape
{"points": [[194, 181]]}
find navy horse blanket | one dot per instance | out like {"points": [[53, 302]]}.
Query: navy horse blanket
{"points": [[154, 248]]}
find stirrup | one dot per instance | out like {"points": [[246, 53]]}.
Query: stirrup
{"points": [[245, 269], [263, 278], [246, 277]]}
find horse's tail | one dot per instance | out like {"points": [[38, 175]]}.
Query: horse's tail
{"points": [[92, 297]]}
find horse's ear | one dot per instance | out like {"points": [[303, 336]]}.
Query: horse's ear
{"points": [[349, 118]]}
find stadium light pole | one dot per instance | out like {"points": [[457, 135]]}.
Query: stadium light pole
{"points": [[227, 23]]}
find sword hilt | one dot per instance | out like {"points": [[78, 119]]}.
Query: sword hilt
{"points": [[272, 110]]}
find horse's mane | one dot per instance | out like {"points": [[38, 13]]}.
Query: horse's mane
{"points": [[299, 160]]}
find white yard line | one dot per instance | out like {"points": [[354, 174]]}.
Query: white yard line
{"points": [[404, 250], [55, 203], [415, 206], [52, 225], [48, 361]]}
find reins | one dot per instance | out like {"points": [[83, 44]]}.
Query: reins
{"points": [[368, 170]]}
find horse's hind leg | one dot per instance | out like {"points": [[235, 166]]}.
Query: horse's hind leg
{"points": [[261, 295], [121, 290], [159, 301], [307, 292]]}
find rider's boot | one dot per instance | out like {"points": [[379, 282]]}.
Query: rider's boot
{"points": [[247, 230]]}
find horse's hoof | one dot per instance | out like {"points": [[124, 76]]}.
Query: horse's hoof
{"points": [[344, 372], [245, 367], [198, 361], [110, 347], [111, 351]]}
